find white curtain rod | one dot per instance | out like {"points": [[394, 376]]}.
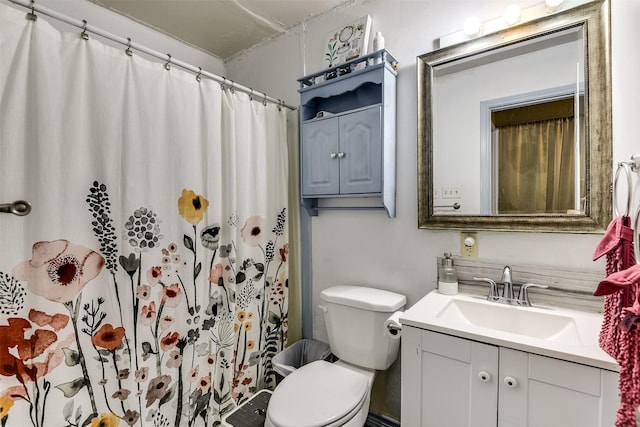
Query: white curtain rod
{"points": [[167, 58]]}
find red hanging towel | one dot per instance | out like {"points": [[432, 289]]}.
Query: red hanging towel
{"points": [[620, 335], [617, 245]]}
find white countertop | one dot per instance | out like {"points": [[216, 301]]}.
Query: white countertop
{"points": [[579, 343]]}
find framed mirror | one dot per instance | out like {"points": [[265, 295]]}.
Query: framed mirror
{"points": [[514, 127]]}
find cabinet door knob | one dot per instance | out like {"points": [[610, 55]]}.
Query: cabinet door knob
{"points": [[511, 382], [333, 155], [341, 155], [484, 376]]}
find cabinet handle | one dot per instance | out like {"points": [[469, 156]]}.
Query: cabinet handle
{"points": [[484, 376], [333, 155], [341, 155], [511, 382]]}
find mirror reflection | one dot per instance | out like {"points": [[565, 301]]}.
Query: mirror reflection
{"points": [[513, 133], [511, 111]]}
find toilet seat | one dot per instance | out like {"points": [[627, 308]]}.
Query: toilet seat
{"points": [[319, 394]]}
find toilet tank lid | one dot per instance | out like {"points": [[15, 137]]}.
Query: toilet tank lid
{"points": [[364, 297]]}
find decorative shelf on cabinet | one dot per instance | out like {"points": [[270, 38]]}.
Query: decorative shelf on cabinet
{"points": [[348, 135]]}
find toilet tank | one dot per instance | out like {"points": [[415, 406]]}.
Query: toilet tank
{"points": [[355, 316]]}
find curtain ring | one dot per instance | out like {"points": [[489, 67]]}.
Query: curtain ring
{"points": [[128, 50], [199, 75], [84, 35], [32, 15], [232, 86], [625, 166], [264, 100], [223, 85], [251, 95], [167, 65]]}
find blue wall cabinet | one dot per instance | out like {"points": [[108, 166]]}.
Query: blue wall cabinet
{"points": [[348, 134]]}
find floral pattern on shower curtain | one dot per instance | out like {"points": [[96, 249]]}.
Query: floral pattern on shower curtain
{"points": [[149, 284]]}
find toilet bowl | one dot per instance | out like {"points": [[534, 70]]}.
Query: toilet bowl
{"points": [[323, 394]]}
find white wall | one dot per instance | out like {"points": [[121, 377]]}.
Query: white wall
{"points": [[363, 247], [367, 247], [122, 26]]}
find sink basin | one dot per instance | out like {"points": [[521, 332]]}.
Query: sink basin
{"points": [[535, 323], [549, 331]]}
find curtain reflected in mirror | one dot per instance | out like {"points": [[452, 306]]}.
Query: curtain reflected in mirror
{"points": [[536, 160]]}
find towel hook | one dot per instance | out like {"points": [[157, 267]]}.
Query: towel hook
{"points": [[167, 65], [128, 50], [84, 35], [199, 75], [626, 167]]}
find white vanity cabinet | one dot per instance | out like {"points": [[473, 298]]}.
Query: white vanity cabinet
{"points": [[449, 381]]}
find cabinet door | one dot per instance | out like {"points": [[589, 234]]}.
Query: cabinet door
{"points": [[361, 143], [320, 166], [448, 381], [538, 391]]}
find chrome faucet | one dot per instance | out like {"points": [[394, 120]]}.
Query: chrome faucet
{"points": [[523, 295], [507, 284], [507, 296]]}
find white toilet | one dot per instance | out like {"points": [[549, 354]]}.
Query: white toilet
{"points": [[323, 394]]}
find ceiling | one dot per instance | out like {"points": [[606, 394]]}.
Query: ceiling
{"points": [[220, 27]]}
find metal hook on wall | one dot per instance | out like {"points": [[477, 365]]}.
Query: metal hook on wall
{"points": [[627, 169], [128, 50], [167, 65], [19, 208], [84, 35]]}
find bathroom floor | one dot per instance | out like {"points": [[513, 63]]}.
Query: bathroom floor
{"points": [[251, 413]]}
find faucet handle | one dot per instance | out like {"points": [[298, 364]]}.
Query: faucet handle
{"points": [[523, 294], [493, 287]]}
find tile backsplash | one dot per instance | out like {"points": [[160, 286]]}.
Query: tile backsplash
{"points": [[568, 288]]}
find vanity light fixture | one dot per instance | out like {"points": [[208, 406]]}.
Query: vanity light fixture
{"points": [[472, 26], [511, 14], [551, 6]]}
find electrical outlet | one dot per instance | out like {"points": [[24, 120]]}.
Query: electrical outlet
{"points": [[450, 192], [469, 245]]}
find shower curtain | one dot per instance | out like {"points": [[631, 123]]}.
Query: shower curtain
{"points": [[149, 284]]}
